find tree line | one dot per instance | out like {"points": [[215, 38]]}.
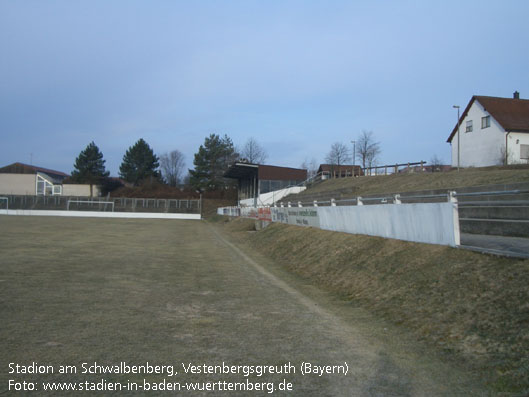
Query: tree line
{"points": [[140, 164]]}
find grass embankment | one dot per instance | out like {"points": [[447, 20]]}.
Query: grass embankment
{"points": [[398, 183], [472, 305]]}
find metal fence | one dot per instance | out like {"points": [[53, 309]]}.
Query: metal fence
{"points": [[488, 198], [117, 204]]}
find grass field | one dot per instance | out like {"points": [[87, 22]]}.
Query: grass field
{"points": [[76, 291]]}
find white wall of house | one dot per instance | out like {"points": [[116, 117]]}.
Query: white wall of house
{"points": [[518, 147], [80, 190], [480, 147], [25, 184], [19, 184]]}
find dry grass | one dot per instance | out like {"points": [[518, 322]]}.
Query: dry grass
{"points": [[399, 183], [472, 305]]}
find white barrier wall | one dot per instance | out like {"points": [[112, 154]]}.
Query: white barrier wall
{"points": [[302, 216], [433, 223]]}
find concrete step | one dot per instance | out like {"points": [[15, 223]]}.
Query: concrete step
{"points": [[497, 227], [495, 212]]}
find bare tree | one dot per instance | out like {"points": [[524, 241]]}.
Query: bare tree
{"points": [[367, 149], [172, 165], [311, 166], [338, 155], [253, 152], [436, 163]]}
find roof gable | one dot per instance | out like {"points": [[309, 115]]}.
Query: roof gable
{"points": [[21, 168], [511, 113]]}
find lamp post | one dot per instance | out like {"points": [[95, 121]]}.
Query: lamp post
{"points": [[354, 155], [458, 137]]}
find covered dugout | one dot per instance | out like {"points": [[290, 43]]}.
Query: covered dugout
{"points": [[256, 179]]}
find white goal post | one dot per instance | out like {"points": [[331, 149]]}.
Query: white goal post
{"points": [[89, 202]]}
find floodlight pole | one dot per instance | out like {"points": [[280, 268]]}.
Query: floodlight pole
{"points": [[458, 136], [354, 155]]}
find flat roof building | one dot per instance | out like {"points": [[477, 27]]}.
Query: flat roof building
{"points": [[256, 179]]}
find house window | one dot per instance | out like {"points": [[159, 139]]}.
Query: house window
{"points": [[469, 126], [524, 152], [46, 188], [41, 185], [485, 122]]}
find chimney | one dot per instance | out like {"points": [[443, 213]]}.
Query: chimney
{"points": [[516, 95]]}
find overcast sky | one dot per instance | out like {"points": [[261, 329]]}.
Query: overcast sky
{"points": [[295, 75]]}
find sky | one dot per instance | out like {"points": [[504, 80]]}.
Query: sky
{"points": [[297, 76]]}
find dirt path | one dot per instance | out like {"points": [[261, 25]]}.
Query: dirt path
{"points": [[379, 364], [175, 293]]}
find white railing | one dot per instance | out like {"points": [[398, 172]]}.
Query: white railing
{"points": [[111, 203], [271, 198]]}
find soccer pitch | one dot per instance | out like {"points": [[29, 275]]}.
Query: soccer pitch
{"points": [[149, 306]]}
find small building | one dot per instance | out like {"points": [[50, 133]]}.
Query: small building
{"points": [[31, 180], [339, 171], [257, 179], [492, 131]]}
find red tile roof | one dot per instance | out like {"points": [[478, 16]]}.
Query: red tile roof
{"points": [[21, 168], [512, 114]]}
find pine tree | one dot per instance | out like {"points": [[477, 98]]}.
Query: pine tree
{"points": [[211, 161], [89, 167], [139, 163]]}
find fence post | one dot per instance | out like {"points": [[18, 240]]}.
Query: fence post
{"points": [[452, 198]]}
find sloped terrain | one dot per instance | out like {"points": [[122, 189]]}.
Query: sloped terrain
{"points": [[471, 306], [341, 188]]}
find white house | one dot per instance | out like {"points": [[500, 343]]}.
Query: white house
{"points": [[492, 131]]}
